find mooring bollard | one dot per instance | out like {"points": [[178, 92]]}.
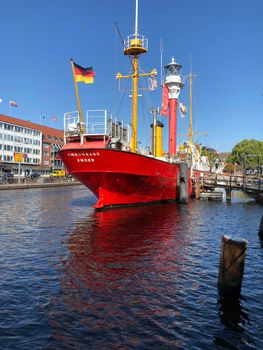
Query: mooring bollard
{"points": [[231, 265], [183, 183], [260, 230]]}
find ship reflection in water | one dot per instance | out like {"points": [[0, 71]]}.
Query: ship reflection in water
{"points": [[113, 248], [123, 267]]}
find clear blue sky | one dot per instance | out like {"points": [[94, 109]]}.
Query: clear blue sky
{"points": [[224, 40]]}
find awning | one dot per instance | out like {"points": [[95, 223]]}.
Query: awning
{"points": [[56, 147]]}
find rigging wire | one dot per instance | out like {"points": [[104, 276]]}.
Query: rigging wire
{"points": [[123, 93], [123, 42]]}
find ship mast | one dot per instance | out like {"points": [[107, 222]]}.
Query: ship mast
{"points": [[134, 46], [191, 133], [190, 129]]}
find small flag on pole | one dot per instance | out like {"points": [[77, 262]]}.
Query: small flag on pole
{"points": [[183, 110], [54, 118], [165, 100], [85, 75], [13, 104], [153, 84]]}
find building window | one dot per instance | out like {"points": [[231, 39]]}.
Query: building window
{"points": [[18, 139], [8, 148], [18, 149], [18, 129], [8, 127], [28, 141], [36, 151], [8, 158], [8, 137]]}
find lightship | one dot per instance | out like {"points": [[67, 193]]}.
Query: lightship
{"points": [[101, 154]]}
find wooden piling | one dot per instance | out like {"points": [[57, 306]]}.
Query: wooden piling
{"points": [[260, 230], [231, 265], [228, 193], [197, 189], [183, 183]]}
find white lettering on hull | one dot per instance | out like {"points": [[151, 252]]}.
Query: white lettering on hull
{"points": [[85, 160], [84, 154]]}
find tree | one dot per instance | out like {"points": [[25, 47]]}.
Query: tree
{"points": [[250, 151], [211, 154], [230, 168]]}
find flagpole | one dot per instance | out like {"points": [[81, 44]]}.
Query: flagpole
{"points": [[10, 109], [78, 100]]}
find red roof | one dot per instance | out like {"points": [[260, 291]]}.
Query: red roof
{"points": [[46, 130]]}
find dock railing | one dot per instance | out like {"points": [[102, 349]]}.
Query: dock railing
{"points": [[240, 182]]}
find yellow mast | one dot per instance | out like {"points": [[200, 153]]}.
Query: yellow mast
{"points": [[135, 45], [78, 100]]}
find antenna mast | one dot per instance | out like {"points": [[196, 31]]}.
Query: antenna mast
{"points": [[190, 130], [136, 18], [161, 60]]}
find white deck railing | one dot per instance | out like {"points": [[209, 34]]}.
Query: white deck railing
{"points": [[96, 123]]}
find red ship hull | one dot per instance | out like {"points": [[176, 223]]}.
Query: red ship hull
{"points": [[120, 177]]}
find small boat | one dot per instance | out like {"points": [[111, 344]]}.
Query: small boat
{"points": [[102, 152]]}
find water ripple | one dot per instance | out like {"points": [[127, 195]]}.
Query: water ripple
{"points": [[128, 278]]}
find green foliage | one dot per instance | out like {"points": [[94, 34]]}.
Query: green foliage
{"points": [[229, 168], [210, 154], [250, 151]]}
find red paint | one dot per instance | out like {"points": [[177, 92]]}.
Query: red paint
{"points": [[172, 126]]}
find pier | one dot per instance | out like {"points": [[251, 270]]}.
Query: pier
{"points": [[251, 185]]}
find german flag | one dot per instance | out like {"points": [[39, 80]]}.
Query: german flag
{"points": [[85, 75]]}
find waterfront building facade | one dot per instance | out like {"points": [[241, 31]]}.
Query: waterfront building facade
{"points": [[32, 145]]}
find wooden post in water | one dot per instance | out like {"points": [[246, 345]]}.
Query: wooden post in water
{"points": [[228, 194], [197, 189], [231, 265], [183, 183], [260, 231], [229, 190]]}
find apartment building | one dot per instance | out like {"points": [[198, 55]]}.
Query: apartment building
{"points": [[36, 146]]}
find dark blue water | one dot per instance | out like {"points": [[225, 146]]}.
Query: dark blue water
{"points": [[131, 278]]}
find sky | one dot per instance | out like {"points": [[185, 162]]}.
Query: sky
{"points": [[220, 41]]}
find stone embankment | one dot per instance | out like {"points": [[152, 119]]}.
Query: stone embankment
{"points": [[39, 183]]}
